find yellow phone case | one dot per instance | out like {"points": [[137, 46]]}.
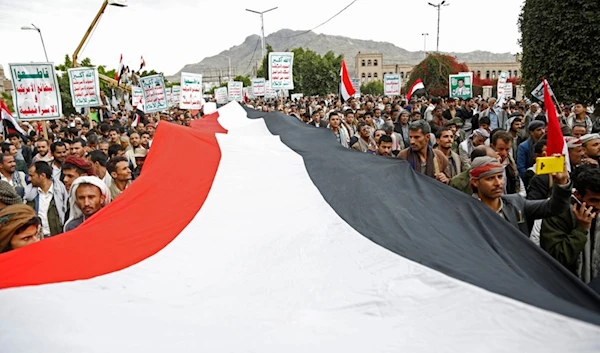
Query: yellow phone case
{"points": [[549, 165]]}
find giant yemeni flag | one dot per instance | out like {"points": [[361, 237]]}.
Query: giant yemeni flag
{"points": [[346, 88], [264, 244]]}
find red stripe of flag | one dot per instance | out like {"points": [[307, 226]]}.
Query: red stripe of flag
{"points": [[555, 141]]}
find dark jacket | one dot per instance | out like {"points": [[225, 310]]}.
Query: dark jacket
{"points": [[321, 123], [518, 210], [462, 182], [563, 239], [540, 187]]}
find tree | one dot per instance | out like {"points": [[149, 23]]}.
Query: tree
{"points": [[560, 43], [434, 71], [7, 98], [263, 70], [212, 90], [62, 77], [244, 79], [374, 87]]}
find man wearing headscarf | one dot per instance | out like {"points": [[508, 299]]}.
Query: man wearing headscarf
{"points": [[73, 168], [487, 182], [19, 227], [87, 196]]}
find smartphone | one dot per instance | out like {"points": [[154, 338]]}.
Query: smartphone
{"points": [[549, 165], [576, 200]]}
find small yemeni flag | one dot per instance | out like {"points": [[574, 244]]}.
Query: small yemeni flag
{"points": [[346, 89], [555, 141], [136, 120], [9, 121], [418, 85], [143, 64], [119, 70]]}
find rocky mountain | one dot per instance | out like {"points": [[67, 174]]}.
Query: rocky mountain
{"points": [[245, 56]]}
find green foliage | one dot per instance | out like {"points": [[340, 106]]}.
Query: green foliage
{"points": [[63, 84], [372, 87], [560, 42], [212, 90], [7, 98], [313, 74], [263, 70], [245, 79], [434, 71]]}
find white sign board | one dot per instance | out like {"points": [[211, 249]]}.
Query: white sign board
{"points": [[37, 94], [155, 95], [85, 87], [137, 97], [269, 91], [392, 84], [168, 95], [297, 96], [235, 91], [280, 70], [191, 91], [258, 87], [356, 86], [175, 96], [538, 92], [221, 95]]}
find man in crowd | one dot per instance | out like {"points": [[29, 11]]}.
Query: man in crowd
{"points": [[501, 142], [365, 142], [99, 161], [88, 195], [24, 153], [384, 146], [118, 167], [581, 117], [47, 197], [78, 147], [487, 181], [422, 157], [8, 195], [462, 181], [316, 119], [59, 153], [573, 236], [73, 168], [10, 174], [444, 139], [591, 145], [526, 153], [335, 122], [43, 151], [477, 138]]}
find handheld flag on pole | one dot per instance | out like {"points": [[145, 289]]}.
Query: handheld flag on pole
{"points": [[555, 141], [8, 121], [346, 89], [143, 64], [418, 85], [120, 70]]}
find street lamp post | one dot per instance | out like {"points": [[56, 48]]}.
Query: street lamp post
{"points": [[262, 26], [34, 28], [439, 6], [228, 58], [425, 43]]}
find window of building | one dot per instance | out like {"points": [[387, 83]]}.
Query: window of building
{"points": [[363, 75], [402, 74], [375, 62], [487, 74], [478, 73], [369, 75], [516, 73], [363, 62], [369, 62], [509, 73], [375, 75], [493, 74]]}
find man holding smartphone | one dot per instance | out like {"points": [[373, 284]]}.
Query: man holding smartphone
{"points": [[573, 237]]}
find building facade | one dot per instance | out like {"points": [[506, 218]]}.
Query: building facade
{"points": [[5, 83], [370, 66]]}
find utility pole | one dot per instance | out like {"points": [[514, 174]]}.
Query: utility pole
{"points": [[439, 7], [262, 26], [425, 43], [34, 28]]}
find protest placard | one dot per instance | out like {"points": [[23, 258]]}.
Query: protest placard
{"points": [[37, 94]]}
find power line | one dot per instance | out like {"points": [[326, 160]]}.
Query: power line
{"points": [[334, 16], [254, 52]]}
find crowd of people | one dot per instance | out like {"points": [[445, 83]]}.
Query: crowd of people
{"points": [[484, 148]]}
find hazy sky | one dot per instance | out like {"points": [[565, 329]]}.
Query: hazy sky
{"points": [[170, 34]]}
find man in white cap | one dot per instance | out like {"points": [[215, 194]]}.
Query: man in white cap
{"points": [[477, 138], [591, 145], [88, 194], [487, 182]]}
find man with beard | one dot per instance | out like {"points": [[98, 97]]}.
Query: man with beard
{"points": [[384, 146], [487, 182], [135, 141], [43, 148], [59, 152], [421, 157], [88, 195], [444, 139], [365, 142]]}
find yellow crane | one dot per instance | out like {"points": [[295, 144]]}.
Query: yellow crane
{"points": [[117, 3]]}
